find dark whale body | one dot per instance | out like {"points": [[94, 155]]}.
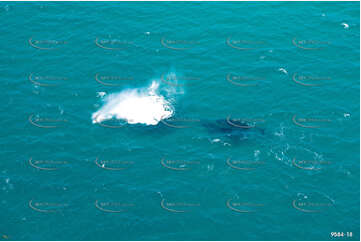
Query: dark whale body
{"points": [[230, 129], [235, 129]]}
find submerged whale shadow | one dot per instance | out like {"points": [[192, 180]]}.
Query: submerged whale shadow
{"points": [[233, 130]]}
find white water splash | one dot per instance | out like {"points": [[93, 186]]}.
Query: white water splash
{"points": [[283, 70], [136, 106], [345, 25]]}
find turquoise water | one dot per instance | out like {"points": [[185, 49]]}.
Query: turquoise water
{"points": [[287, 72]]}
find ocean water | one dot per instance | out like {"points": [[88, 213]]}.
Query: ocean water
{"points": [[180, 121]]}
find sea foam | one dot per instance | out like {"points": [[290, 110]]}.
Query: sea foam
{"points": [[136, 106]]}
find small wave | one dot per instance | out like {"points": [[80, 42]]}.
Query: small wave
{"points": [[136, 106]]}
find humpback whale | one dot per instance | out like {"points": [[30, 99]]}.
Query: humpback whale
{"points": [[234, 129], [230, 129]]}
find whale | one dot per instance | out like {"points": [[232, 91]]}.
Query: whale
{"points": [[230, 129], [234, 129]]}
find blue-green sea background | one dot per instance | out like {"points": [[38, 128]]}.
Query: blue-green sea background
{"points": [[284, 66]]}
